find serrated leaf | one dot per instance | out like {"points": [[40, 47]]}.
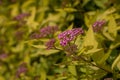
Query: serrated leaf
{"points": [[116, 61]]}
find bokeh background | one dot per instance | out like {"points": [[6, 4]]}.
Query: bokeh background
{"points": [[23, 54]]}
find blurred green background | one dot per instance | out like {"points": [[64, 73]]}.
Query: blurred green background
{"points": [[24, 58]]}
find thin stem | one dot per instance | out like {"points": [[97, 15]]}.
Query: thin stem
{"points": [[94, 64]]}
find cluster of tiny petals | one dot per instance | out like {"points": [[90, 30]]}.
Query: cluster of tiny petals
{"points": [[45, 31], [21, 16], [21, 69], [3, 56], [69, 35], [50, 44], [98, 25]]}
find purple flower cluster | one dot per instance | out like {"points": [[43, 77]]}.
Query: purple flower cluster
{"points": [[44, 32], [50, 44], [21, 69], [3, 56], [69, 35], [48, 30], [98, 25], [21, 16]]}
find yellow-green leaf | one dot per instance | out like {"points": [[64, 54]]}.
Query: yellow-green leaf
{"points": [[116, 61], [90, 39], [112, 26], [72, 70]]}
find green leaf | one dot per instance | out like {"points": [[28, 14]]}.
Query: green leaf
{"points": [[100, 3], [27, 59], [44, 52], [115, 61], [14, 9], [70, 27], [70, 9], [95, 55], [39, 46], [89, 40], [114, 45], [18, 48], [43, 74], [112, 26], [61, 78], [89, 18], [93, 51], [85, 2], [72, 70], [107, 35], [118, 65], [31, 20], [26, 4], [105, 57]]}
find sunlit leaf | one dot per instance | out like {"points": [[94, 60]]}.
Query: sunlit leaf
{"points": [[39, 46], [89, 39], [43, 74], [100, 3], [72, 70], [26, 4], [115, 62], [14, 9], [18, 48], [112, 26], [105, 57]]}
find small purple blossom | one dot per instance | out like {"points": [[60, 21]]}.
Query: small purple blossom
{"points": [[21, 16], [21, 69], [50, 44], [35, 36], [3, 56], [44, 32], [98, 25], [48, 30], [69, 35]]}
